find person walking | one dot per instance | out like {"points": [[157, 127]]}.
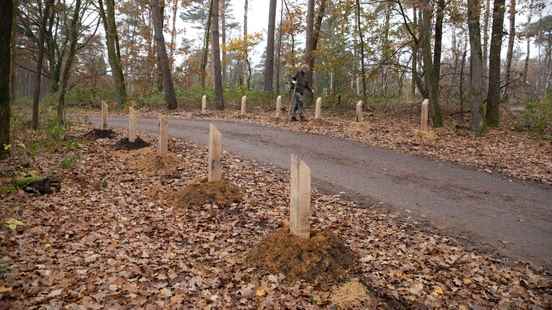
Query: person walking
{"points": [[299, 85]]}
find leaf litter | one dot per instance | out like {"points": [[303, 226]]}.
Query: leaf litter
{"points": [[111, 239]]}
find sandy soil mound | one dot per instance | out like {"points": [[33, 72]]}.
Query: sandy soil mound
{"points": [[322, 260], [96, 134], [125, 144], [221, 193]]}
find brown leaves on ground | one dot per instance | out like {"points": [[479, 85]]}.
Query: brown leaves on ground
{"points": [[517, 154], [103, 242], [322, 260]]}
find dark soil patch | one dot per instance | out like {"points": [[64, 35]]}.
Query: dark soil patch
{"points": [[221, 193], [125, 144], [96, 134], [322, 260]]}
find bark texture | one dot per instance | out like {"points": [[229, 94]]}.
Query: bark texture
{"points": [[493, 95], [476, 66], [163, 59], [6, 19], [215, 46], [269, 62]]}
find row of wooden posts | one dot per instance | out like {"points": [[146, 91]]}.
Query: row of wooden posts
{"points": [[300, 179], [424, 120], [300, 173]]}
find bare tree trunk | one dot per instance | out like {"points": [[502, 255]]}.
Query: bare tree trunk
{"points": [[206, 46], [173, 34], [476, 67], [493, 95], [269, 61], [528, 52], [68, 63], [414, 58], [6, 24], [113, 51], [223, 38], [163, 59], [486, 19], [309, 45], [160, 70], [40, 60], [215, 46], [246, 64], [279, 49], [510, 52], [361, 37], [461, 86]]}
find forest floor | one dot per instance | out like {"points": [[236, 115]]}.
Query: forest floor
{"points": [[116, 237], [518, 154]]}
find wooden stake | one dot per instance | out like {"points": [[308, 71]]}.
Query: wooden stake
{"points": [[424, 120], [103, 121], [318, 108], [204, 104], [359, 116], [278, 106], [300, 198], [215, 154], [163, 135], [243, 105], [132, 120]]}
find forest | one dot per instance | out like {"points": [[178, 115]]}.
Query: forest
{"points": [[159, 153]]}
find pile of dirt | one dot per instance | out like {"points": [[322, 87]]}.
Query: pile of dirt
{"points": [[96, 134], [322, 260], [353, 294], [221, 193], [125, 144]]}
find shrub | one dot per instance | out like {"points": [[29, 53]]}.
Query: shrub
{"points": [[537, 116]]}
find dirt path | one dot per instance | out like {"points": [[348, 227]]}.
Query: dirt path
{"points": [[491, 211]]}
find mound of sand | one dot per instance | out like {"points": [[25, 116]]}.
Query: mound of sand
{"points": [[221, 193], [321, 260]]}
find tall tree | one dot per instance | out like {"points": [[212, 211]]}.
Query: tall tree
{"points": [[173, 34], [40, 59], [309, 45], [493, 95], [206, 37], [6, 21], [113, 51], [361, 37], [476, 66], [246, 66], [279, 48], [486, 19], [163, 59], [68, 60], [269, 61], [510, 49], [528, 38], [414, 57], [215, 46], [222, 14], [432, 65]]}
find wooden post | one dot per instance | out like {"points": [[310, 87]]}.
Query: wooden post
{"points": [[215, 154], [359, 116], [243, 105], [132, 120], [278, 106], [103, 121], [424, 121], [204, 104], [300, 198], [318, 108], [163, 135]]}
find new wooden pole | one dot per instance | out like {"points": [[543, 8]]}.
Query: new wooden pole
{"points": [[132, 120], [424, 119], [215, 154], [204, 104], [300, 198], [103, 121], [359, 116], [278, 106], [243, 105], [318, 108], [163, 135]]}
